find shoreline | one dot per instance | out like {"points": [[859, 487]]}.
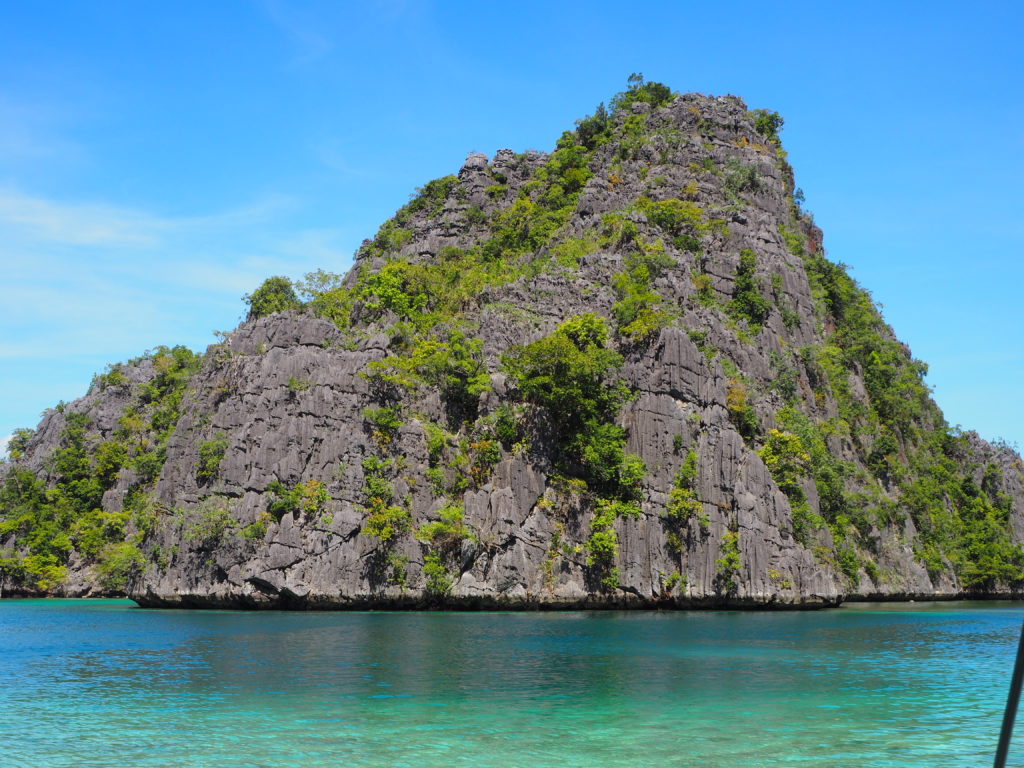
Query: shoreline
{"points": [[412, 604]]}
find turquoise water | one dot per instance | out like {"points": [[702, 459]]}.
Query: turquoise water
{"points": [[102, 683]]}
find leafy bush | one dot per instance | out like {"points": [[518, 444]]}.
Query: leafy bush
{"points": [[675, 217], [787, 461], [635, 312], [768, 124], [438, 579], [682, 499], [432, 195], [448, 531], [603, 544], [389, 238], [485, 454], [118, 564], [741, 412], [508, 425], [727, 566], [276, 294], [706, 295], [594, 130], [384, 422], [640, 90], [257, 529], [452, 361], [309, 498], [394, 288], [211, 453], [567, 373], [209, 521], [112, 377], [385, 521], [45, 571], [329, 297], [747, 301], [148, 465]]}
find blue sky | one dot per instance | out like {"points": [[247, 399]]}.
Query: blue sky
{"points": [[158, 160]]}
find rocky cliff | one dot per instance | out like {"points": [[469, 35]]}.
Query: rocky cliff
{"points": [[620, 374]]}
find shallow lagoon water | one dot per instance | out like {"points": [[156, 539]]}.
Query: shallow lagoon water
{"points": [[104, 683]]}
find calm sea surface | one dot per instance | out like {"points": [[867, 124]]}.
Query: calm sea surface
{"points": [[103, 683]]}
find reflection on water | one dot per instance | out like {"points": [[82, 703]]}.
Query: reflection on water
{"points": [[102, 683]]}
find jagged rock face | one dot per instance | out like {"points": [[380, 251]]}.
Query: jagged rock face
{"points": [[284, 401]]}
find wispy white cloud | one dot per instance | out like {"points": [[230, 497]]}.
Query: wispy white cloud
{"points": [[31, 133], [44, 220], [86, 278], [325, 246], [333, 155], [4, 442]]}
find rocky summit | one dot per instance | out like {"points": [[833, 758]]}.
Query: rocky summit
{"points": [[622, 374]]}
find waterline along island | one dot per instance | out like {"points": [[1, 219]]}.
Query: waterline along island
{"points": [[620, 374]]}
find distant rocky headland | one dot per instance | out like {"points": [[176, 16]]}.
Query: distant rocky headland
{"points": [[621, 374]]}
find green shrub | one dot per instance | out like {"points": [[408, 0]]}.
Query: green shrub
{"points": [[567, 373], [118, 564], [706, 295], [636, 314], [385, 521], [309, 498], [209, 521], [849, 564], [389, 238], [437, 440], [451, 361], [747, 302], [740, 177], [603, 544], [148, 465], [112, 377], [384, 422], [508, 426], [448, 531], [741, 412], [432, 196], [485, 454], [211, 453], [640, 90], [276, 294], [674, 581], [675, 217], [44, 571], [438, 579], [787, 461], [94, 529], [682, 499], [394, 288], [568, 253], [257, 529], [594, 130], [768, 124], [329, 296], [727, 566]]}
